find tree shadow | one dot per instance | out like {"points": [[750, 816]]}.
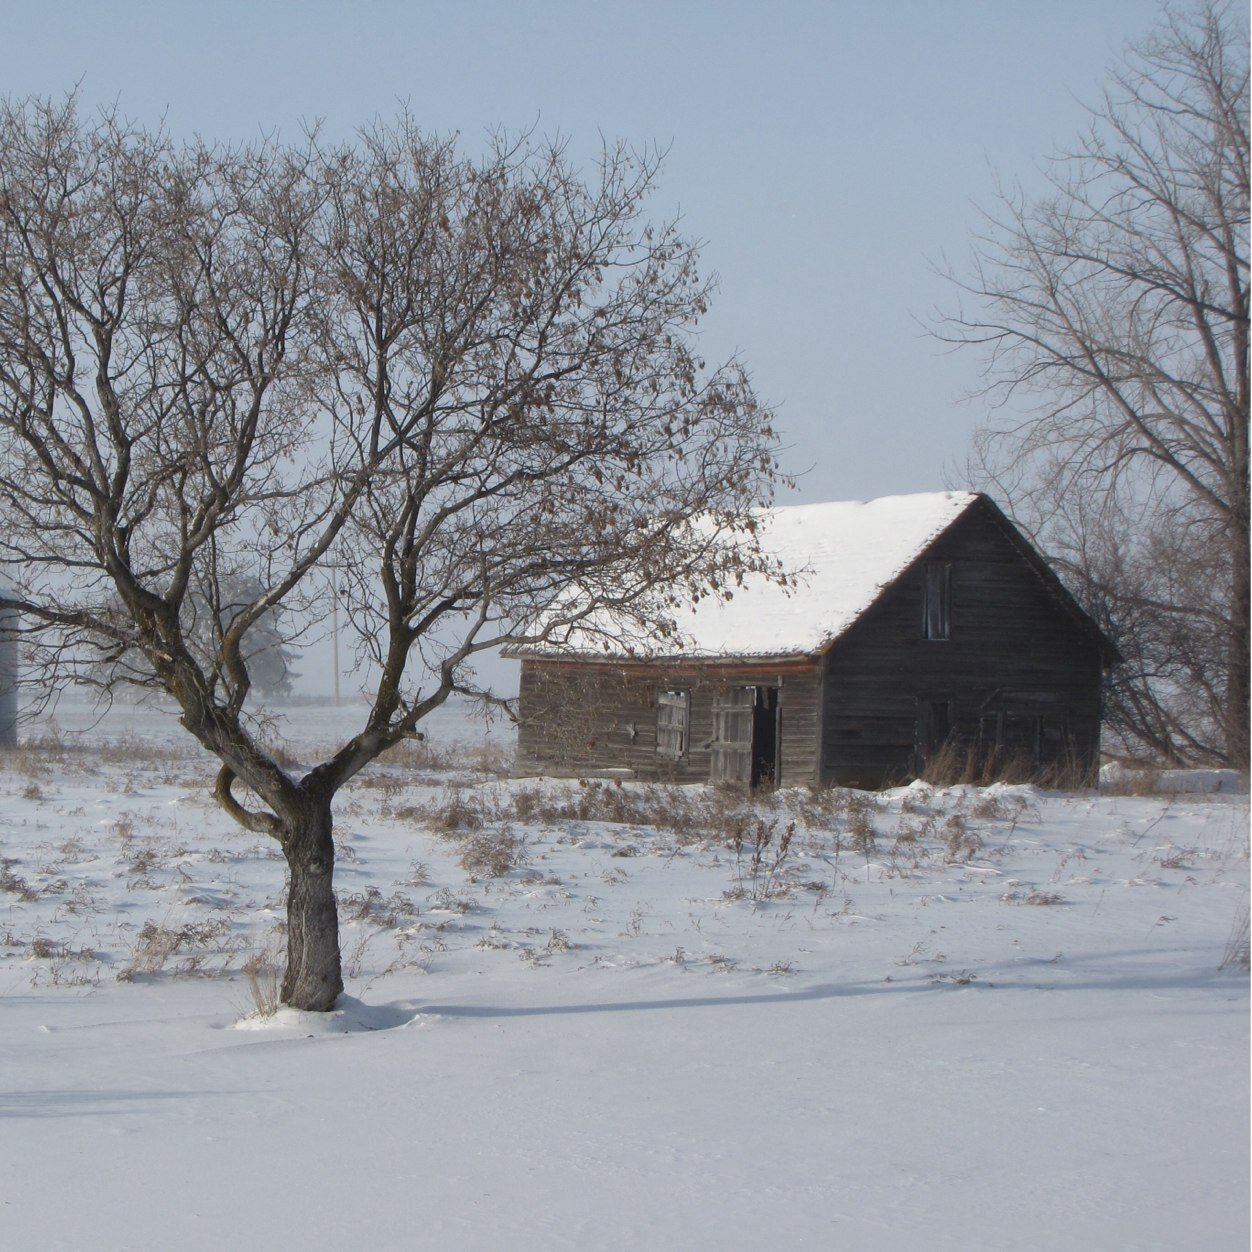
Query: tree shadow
{"points": [[46, 1104], [1069, 976]]}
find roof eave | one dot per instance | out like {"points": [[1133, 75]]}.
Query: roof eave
{"points": [[669, 659]]}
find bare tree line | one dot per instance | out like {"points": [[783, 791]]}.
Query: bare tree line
{"points": [[1113, 314]]}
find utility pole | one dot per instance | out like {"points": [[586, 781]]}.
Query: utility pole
{"points": [[334, 624]]}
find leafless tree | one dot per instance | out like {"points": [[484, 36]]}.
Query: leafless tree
{"points": [[466, 385], [1114, 314]]}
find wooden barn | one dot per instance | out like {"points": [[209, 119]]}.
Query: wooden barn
{"points": [[919, 624]]}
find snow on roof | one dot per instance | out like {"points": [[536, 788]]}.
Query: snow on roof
{"points": [[842, 554]]}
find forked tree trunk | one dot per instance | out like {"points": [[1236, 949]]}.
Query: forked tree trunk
{"points": [[314, 978]]}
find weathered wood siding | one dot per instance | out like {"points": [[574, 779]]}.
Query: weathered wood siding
{"points": [[587, 717], [1011, 644]]}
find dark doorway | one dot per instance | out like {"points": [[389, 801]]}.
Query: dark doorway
{"points": [[765, 738], [934, 728]]}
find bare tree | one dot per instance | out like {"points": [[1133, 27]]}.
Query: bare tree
{"points": [[468, 386], [1116, 310]]}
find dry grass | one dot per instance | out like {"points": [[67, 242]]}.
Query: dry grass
{"points": [[767, 848], [459, 813], [416, 756], [1140, 781], [371, 905], [1176, 858], [594, 801], [491, 759], [263, 971], [713, 816], [446, 901], [954, 764], [988, 808], [1237, 954], [491, 853], [420, 756], [1034, 897], [686, 814], [62, 965], [203, 948], [960, 843], [861, 831], [14, 883], [37, 757]]}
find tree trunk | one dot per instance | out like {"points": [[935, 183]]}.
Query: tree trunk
{"points": [[1237, 702], [314, 978]]}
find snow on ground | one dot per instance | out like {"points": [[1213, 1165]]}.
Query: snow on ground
{"points": [[591, 1016]]}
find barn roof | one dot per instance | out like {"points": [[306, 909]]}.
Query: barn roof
{"points": [[842, 554]]}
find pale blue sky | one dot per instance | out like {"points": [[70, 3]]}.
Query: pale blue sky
{"points": [[827, 153]]}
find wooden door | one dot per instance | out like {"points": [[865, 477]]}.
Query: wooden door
{"points": [[934, 728], [673, 713], [732, 735]]}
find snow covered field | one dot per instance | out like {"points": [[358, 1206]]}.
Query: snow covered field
{"points": [[589, 1016]]}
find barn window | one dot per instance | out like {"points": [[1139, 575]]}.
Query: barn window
{"points": [[673, 710], [937, 601]]}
